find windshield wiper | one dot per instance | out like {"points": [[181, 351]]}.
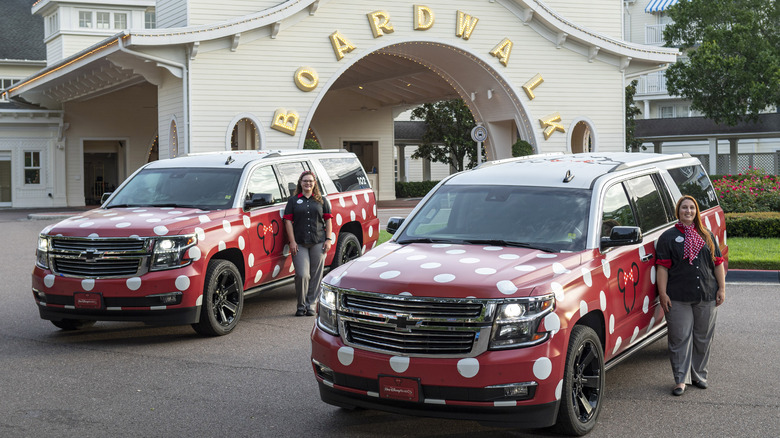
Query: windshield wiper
{"points": [[174, 205], [121, 206], [422, 240], [499, 242]]}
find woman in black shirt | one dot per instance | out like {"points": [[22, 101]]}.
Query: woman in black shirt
{"points": [[307, 220], [691, 284]]}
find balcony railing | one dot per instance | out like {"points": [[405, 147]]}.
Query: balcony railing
{"points": [[653, 83], [654, 34]]}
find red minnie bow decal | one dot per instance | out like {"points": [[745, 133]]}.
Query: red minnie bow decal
{"points": [[624, 279]]}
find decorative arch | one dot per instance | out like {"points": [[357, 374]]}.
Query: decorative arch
{"points": [[173, 138], [244, 132], [582, 136]]}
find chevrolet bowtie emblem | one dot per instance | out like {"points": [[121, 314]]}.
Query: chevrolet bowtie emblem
{"points": [[404, 322], [91, 255]]}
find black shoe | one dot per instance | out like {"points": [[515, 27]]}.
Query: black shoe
{"points": [[309, 312], [700, 384], [678, 391], [300, 313]]}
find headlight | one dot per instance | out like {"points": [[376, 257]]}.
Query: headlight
{"points": [[517, 322], [171, 252], [42, 254], [327, 315]]}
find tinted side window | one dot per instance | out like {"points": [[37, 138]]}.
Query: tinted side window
{"points": [[263, 180], [693, 181], [346, 173], [648, 202], [289, 173], [617, 210]]}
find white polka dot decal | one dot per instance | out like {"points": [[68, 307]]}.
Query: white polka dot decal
{"points": [[652, 274], [354, 199], [559, 269], [559, 390], [251, 260], [346, 355], [552, 323], [432, 265], [352, 216], [633, 336], [48, 280], [509, 256], [93, 236], [389, 274], [525, 268], [717, 219], [222, 246], [399, 364], [124, 224], [506, 287], [557, 290], [339, 219], [603, 300], [247, 221], [617, 345], [611, 324], [200, 233], [86, 224], [642, 252], [405, 294], [277, 269], [363, 213], [370, 231], [416, 257], [652, 323], [203, 218], [194, 253], [182, 282], [444, 278], [133, 283], [468, 367], [241, 243], [583, 308], [258, 276], [226, 226], [365, 196], [160, 230], [586, 277], [542, 368], [707, 222], [493, 248], [605, 266], [485, 271], [378, 265], [469, 260], [87, 284], [546, 256], [456, 251]]}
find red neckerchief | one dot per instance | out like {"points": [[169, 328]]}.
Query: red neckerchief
{"points": [[693, 241]]}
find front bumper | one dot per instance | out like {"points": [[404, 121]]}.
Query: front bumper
{"points": [[468, 388]]}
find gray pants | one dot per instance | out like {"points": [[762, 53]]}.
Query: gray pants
{"points": [[691, 327], [309, 263]]}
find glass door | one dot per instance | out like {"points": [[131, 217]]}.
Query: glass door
{"points": [[5, 179]]}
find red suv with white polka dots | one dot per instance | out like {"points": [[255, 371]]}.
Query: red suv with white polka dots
{"points": [[508, 291], [185, 240]]}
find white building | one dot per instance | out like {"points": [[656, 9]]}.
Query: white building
{"points": [[244, 74]]}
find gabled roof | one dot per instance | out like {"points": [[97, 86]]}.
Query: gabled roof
{"points": [[21, 36]]}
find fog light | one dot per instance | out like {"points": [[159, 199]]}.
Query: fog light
{"points": [[169, 298], [523, 390], [324, 372]]}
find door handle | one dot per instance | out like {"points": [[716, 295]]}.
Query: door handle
{"points": [[646, 257]]}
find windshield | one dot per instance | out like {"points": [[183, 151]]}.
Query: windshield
{"points": [[206, 189], [537, 217]]}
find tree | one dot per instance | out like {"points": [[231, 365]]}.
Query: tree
{"points": [[447, 138], [311, 143], [521, 148], [632, 143], [734, 48]]}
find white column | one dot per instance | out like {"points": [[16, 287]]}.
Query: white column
{"points": [[733, 154], [713, 156], [646, 111]]}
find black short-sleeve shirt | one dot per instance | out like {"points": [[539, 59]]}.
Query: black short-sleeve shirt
{"points": [[687, 282], [308, 218]]}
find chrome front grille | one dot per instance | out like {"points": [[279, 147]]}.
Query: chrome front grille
{"points": [[415, 326], [99, 257]]}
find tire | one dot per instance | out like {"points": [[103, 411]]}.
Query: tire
{"points": [[347, 248], [583, 383], [223, 299], [73, 324]]}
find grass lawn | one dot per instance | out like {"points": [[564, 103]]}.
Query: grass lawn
{"points": [[754, 253], [744, 252]]}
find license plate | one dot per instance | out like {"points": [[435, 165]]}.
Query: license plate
{"points": [[399, 388], [88, 300]]}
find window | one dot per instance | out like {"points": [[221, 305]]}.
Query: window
{"points": [[666, 112], [648, 202], [289, 173], [85, 19], [346, 173], [617, 210], [103, 20], [693, 181], [6, 83], [52, 24], [32, 167], [120, 21], [263, 180], [150, 20]]}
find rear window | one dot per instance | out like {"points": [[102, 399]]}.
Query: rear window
{"points": [[693, 181], [346, 173]]}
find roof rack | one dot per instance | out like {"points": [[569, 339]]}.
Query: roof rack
{"points": [[654, 159], [525, 157]]}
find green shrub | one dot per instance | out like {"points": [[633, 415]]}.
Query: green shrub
{"points": [[521, 148], [752, 190], [759, 224], [413, 189]]}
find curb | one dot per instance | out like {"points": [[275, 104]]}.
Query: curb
{"points": [[749, 276]]}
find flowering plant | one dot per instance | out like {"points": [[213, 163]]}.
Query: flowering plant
{"points": [[752, 190]]}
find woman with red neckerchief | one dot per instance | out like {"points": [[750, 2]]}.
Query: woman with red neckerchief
{"points": [[691, 283]]}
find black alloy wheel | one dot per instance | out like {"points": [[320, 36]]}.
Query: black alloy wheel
{"points": [[583, 383], [347, 248], [223, 299]]}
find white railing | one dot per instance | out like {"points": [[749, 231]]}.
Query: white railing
{"points": [[654, 34], [653, 83]]}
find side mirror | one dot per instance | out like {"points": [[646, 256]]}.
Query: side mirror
{"points": [[393, 224], [622, 236], [258, 200], [105, 196]]}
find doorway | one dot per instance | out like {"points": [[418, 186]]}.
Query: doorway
{"points": [[101, 168], [5, 179]]}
